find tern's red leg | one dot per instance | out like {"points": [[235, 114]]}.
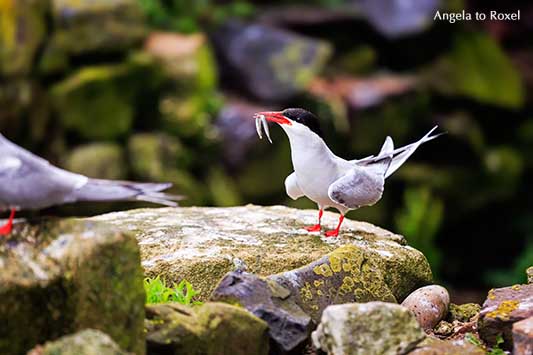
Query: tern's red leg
{"points": [[6, 228], [335, 232], [316, 227]]}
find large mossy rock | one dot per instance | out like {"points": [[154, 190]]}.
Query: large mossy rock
{"points": [[59, 277], [98, 102], [272, 64], [210, 329], [82, 26], [85, 342], [202, 244], [98, 160], [23, 25]]}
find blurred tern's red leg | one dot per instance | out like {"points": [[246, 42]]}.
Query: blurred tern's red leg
{"points": [[6, 228], [335, 232], [316, 227]]}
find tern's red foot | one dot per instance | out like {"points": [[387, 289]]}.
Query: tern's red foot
{"points": [[335, 232], [332, 233], [6, 228], [315, 228]]}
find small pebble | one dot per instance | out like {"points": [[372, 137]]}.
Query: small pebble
{"points": [[429, 304]]}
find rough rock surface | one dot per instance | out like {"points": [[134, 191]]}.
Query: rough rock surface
{"points": [[463, 312], [529, 273], [503, 307], [271, 63], [434, 346], [85, 342], [289, 325], [210, 329], [203, 244], [523, 337], [429, 304], [373, 328], [57, 278]]}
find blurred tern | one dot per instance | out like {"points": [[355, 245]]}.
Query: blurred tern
{"points": [[30, 182], [327, 179]]}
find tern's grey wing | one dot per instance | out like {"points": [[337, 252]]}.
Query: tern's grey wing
{"points": [[30, 182], [292, 188], [358, 187]]}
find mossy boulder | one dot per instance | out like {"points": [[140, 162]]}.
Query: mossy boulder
{"points": [[209, 329], [23, 25], [463, 312], [272, 64], [373, 328], [98, 160], [98, 102], [162, 157], [202, 244], [59, 277], [82, 26], [85, 342]]}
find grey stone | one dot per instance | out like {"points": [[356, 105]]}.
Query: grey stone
{"points": [[272, 64], [523, 337], [373, 328], [289, 326], [85, 342]]}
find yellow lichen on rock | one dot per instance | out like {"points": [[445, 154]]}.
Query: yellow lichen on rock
{"points": [[504, 309]]}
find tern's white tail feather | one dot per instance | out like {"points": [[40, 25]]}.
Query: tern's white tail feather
{"points": [[399, 155]]}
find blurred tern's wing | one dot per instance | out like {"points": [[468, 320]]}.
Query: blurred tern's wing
{"points": [[358, 187], [30, 182], [292, 188]]}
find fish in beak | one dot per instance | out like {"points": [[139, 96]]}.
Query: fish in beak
{"points": [[261, 123]]}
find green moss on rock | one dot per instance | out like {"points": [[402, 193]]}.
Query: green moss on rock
{"points": [[22, 30], [463, 312], [98, 160], [62, 276], [85, 342], [203, 244], [210, 329], [98, 102]]}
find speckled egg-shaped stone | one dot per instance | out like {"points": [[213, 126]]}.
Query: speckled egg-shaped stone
{"points": [[429, 305]]}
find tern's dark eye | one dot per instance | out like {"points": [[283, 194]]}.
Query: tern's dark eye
{"points": [[304, 117]]}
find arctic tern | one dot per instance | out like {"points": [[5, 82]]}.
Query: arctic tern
{"points": [[30, 182], [327, 179]]}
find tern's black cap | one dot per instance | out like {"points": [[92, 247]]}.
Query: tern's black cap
{"points": [[304, 117]]}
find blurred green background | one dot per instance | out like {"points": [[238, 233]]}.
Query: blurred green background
{"points": [[165, 89]]}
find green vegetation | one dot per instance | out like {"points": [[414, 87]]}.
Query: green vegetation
{"points": [[188, 16], [157, 291], [419, 222], [495, 350], [515, 274]]}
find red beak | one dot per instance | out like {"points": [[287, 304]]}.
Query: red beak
{"points": [[274, 116]]}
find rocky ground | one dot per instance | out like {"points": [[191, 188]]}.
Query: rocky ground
{"points": [[75, 287]]}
